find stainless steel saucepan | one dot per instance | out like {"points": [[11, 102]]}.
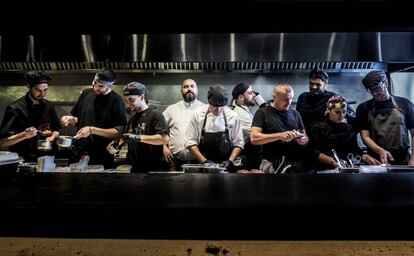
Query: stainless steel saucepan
{"points": [[65, 142]]}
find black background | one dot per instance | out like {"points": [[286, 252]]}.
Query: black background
{"points": [[202, 16], [93, 17]]}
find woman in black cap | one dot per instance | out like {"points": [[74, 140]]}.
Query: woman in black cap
{"points": [[214, 133], [331, 133], [386, 121], [28, 115]]}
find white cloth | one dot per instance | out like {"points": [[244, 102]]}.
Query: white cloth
{"points": [[177, 116], [214, 124], [246, 118]]}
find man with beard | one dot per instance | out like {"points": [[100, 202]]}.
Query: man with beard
{"points": [[177, 117], [100, 116], [214, 133], [30, 118], [243, 98], [312, 105], [386, 121]]}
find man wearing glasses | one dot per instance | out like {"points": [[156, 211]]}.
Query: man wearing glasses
{"points": [[384, 121], [312, 105]]}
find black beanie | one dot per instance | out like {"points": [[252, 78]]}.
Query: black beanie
{"points": [[239, 90], [319, 73], [33, 78], [374, 78], [217, 95]]}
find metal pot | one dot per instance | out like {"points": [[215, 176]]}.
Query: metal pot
{"points": [[65, 142], [44, 145]]}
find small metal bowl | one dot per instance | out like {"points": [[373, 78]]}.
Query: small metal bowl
{"points": [[44, 145]]}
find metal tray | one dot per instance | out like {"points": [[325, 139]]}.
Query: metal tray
{"points": [[210, 168]]}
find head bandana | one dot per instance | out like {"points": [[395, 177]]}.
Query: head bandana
{"points": [[336, 102]]}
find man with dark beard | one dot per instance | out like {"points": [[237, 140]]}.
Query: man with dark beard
{"points": [[177, 117], [100, 116], [30, 118], [243, 98], [312, 105]]}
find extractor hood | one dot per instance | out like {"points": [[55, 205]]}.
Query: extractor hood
{"points": [[195, 66]]}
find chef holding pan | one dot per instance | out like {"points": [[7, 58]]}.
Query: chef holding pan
{"points": [[99, 115]]}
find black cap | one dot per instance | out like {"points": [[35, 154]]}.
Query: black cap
{"points": [[319, 73], [33, 78], [374, 78], [239, 90], [105, 76], [135, 88], [217, 95]]}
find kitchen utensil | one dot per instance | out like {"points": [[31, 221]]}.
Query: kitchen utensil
{"points": [[337, 158], [209, 168], [44, 145], [353, 160]]}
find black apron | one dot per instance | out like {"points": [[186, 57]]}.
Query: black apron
{"points": [[388, 130], [215, 146]]}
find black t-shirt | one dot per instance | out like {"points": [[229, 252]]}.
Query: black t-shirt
{"points": [[326, 135], [103, 111], [22, 114], [273, 121], [145, 157], [405, 106], [312, 108]]}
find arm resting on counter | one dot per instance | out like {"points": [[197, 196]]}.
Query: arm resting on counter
{"points": [[196, 153], [325, 159], [235, 153], [384, 154]]}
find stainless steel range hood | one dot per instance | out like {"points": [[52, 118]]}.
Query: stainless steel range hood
{"points": [[193, 67], [248, 52]]}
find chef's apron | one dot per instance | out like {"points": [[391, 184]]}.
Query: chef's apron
{"points": [[388, 130], [215, 146]]}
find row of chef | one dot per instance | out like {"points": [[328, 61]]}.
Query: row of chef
{"points": [[319, 134]]}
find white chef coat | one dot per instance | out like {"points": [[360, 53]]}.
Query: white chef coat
{"points": [[246, 118], [177, 116]]}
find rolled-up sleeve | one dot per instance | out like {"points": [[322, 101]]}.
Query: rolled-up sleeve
{"points": [[237, 134], [192, 133]]}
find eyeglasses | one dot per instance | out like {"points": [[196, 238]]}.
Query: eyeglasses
{"points": [[377, 89]]}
